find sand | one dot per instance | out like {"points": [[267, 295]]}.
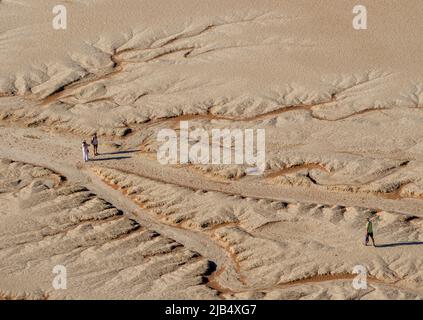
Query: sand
{"points": [[342, 113]]}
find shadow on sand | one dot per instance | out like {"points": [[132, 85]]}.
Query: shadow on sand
{"points": [[109, 158], [389, 245], [119, 152]]}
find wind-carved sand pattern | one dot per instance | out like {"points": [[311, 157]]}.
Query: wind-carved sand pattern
{"points": [[46, 221], [272, 246], [343, 116]]}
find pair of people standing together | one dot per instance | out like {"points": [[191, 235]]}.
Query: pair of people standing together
{"points": [[86, 150]]}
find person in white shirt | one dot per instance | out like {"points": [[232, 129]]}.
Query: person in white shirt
{"points": [[85, 151]]}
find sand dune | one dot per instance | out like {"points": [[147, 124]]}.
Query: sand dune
{"points": [[342, 114]]}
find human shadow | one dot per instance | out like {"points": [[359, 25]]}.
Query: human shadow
{"points": [[109, 158], [120, 152], [389, 245]]}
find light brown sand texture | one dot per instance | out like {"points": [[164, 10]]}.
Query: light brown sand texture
{"points": [[342, 111]]}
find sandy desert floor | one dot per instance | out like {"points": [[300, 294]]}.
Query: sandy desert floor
{"points": [[343, 115]]}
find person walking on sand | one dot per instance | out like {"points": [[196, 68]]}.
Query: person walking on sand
{"points": [[94, 142], [85, 151], [369, 232]]}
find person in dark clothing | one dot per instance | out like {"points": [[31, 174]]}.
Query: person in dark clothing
{"points": [[94, 142], [369, 232]]}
